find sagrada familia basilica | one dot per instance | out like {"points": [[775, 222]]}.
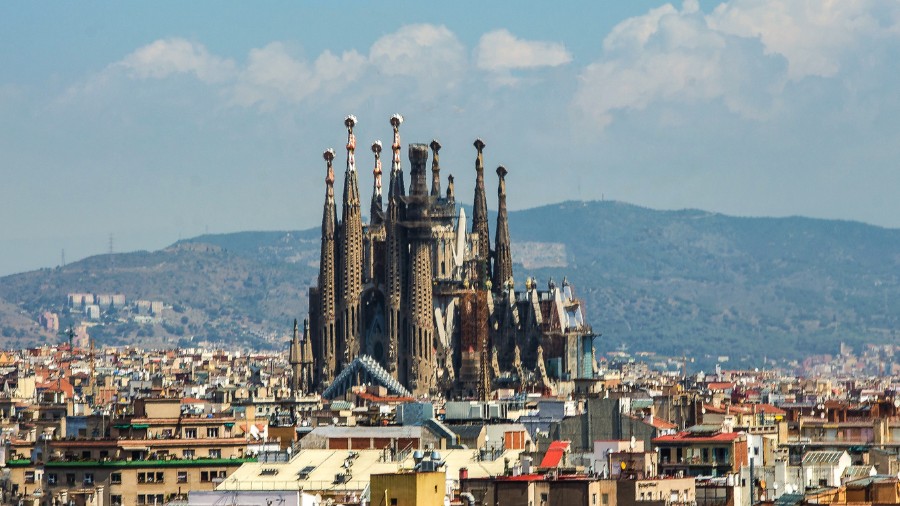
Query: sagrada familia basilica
{"points": [[417, 301]]}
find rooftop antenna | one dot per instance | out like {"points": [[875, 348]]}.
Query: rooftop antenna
{"points": [[62, 260]]}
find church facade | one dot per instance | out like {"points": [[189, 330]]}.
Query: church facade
{"points": [[421, 299]]}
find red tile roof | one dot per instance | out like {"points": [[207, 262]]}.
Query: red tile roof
{"points": [[687, 437], [521, 477], [660, 424], [554, 454]]}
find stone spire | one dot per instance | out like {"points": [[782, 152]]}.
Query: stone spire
{"points": [[422, 368], [307, 359], [435, 170], [295, 359], [480, 226], [395, 262], [325, 333], [351, 254], [502, 254], [450, 190], [376, 211]]}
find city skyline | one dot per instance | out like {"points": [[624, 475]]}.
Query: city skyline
{"points": [[146, 124]]}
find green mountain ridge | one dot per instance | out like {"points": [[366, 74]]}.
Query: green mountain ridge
{"points": [[674, 282]]}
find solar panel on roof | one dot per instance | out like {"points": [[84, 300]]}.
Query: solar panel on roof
{"points": [[304, 473]]}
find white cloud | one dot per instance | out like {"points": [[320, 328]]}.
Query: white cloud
{"points": [[273, 75], [502, 51], [165, 57], [742, 54], [815, 36], [432, 55], [670, 55]]}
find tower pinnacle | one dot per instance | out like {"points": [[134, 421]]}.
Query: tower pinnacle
{"points": [[435, 169], [480, 226], [395, 261], [502, 253], [351, 253], [325, 343], [376, 211]]}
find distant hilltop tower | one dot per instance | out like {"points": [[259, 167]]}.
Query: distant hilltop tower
{"points": [[416, 302]]}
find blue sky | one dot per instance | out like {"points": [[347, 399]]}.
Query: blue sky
{"points": [[150, 122]]}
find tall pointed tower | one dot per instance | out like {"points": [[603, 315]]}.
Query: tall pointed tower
{"points": [[295, 359], [326, 343], [351, 255], [307, 361], [480, 218], [422, 369], [395, 262], [374, 234], [502, 255]]}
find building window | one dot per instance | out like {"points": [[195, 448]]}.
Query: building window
{"points": [[88, 478], [190, 433], [188, 454], [115, 500], [51, 479], [212, 432], [393, 501], [215, 453], [204, 476], [29, 476], [115, 478], [182, 476], [70, 479], [151, 477]]}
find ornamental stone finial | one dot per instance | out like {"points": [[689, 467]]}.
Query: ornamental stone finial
{"points": [[376, 148], [479, 161], [350, 122], [396, 120], [328, 155]]}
